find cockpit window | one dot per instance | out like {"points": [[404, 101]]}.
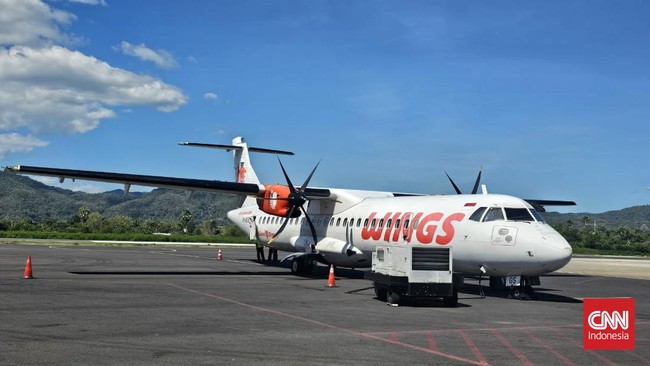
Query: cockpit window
{"points": [[476, 216], [518, 214], [536, 214], [494, 214]]}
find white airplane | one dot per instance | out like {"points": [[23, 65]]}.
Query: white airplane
{"points": [[493, 235]]}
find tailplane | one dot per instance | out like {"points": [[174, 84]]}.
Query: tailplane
{"points": [[244, 172]]}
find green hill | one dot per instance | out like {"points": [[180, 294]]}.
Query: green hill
{"points": [[22, 198], [637, 217]]}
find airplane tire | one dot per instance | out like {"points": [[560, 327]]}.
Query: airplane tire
{"points": [[297, 266]]}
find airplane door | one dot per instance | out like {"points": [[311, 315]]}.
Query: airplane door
{"points": [[504, 235], [252, 234]]}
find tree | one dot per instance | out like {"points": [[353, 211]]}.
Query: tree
{"points": [[209, 227], [82, 214], [585, 220], [186, 217], [95, 222]]}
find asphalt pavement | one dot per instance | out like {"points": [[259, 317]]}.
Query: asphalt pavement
{"points": [[181, 306]]}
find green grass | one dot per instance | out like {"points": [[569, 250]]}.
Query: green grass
{"points": [[123, 237]]}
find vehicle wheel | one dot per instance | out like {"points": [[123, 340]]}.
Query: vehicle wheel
{"points": [[392, 297], [380, 291], [451, 301]]}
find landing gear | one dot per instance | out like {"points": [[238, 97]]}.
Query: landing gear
{"points": [[524, 291], [301, 266]]}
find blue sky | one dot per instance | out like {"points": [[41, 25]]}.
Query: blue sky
{"points": [[552, 98]]}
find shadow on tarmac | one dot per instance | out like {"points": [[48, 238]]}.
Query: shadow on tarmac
{"points": [[178, 273]]}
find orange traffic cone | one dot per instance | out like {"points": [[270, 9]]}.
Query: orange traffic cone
{"points": [[28, 268], [331, 281], [219, 255]]}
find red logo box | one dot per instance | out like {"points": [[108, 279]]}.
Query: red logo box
{"points": [[608, 324]]}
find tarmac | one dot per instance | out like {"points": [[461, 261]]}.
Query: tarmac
{"points": [[104, 305]]}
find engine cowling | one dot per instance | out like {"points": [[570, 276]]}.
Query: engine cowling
{"points": [[276, 200]]}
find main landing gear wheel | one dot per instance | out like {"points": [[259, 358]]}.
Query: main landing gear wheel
{"points": [[301, 266], [297, 265]]}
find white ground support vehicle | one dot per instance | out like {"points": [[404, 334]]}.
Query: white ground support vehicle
{"points": [[414, 271]]}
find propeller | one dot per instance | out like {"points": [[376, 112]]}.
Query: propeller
{"points": [[296, 199], [476, 184]]}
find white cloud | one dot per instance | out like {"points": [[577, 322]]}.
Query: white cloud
{"points": [[32, 23], [211, 96], [46, 87], [13, 142], [54, 89], [160, 57], [90, 2]]}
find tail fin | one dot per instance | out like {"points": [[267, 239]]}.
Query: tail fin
{"points": [[244, 172]]}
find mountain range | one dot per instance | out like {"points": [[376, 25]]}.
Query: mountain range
{"points": [[22, 198]]}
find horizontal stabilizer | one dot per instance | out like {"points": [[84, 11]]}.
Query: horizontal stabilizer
{"points": [[232, 147]]}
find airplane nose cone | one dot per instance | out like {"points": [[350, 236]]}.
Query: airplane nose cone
{"points": [[557, 253]]}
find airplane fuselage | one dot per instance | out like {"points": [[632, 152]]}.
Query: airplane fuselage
{"points": [[350, 229]]}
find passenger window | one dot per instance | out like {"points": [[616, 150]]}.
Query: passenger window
{"points": [[338, 222], [494, 214], [381, 223], [365, 223], [332, 222], [358, 222], [476, 216], [397, 223], [406, 223], [518, 214], [374, 223], [389, 223], [415, 224], [345, 222]]}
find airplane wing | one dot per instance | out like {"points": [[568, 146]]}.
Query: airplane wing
{"points": [[249, 189], [539, 204]]}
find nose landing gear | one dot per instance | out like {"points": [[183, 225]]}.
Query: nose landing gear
{"points": [[525, 289]]}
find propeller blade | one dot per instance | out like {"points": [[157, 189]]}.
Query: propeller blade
{"points": [[454, 184], [311, 226], [286, 176], [304, 185], [284, 224], [478, 181]]}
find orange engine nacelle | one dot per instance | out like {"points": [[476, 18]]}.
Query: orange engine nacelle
{"points": [[275, 200]]}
